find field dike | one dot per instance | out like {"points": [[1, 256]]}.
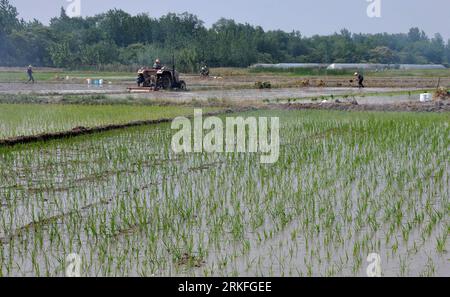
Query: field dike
{"points": [[77, 131], [438, 106]]}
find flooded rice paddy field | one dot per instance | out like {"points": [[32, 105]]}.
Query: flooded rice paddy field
{"points": [[364, 96], [345, 185], [58, 88]]}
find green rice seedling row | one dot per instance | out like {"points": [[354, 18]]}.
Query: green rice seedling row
{"points": [[31, 119], [346, 185]]}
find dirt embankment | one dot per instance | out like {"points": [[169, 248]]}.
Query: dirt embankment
{"points": [[74, 132], [240, 82], [438, 106]]}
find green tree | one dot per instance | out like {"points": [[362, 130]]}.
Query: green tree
{"points": [[31, 44], [116, 37], [61, 55], [8, 23], [8, 18], [118, 26], [415, 34], [447, 53], [435, 51], [382, 55], [101, 53]]}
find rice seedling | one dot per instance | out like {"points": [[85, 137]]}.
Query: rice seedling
{"points": [[32, 119], [345, 185]]}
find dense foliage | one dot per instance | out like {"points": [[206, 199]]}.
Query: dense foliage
{"points": [[118, 38]]}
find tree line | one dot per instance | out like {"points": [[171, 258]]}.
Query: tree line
{"points": [[118, 38]]}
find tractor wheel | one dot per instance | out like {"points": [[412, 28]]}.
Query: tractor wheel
{"points": [[166, 82], [147, 83], [182, 86]]}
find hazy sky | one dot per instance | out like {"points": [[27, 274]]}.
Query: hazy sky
{"points": [[308, 16]]}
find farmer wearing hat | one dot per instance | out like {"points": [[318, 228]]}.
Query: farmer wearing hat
{"points": [[204, 71], [360, 78], [157, 64], [30, 74]]}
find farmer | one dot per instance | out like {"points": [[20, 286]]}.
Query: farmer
{"points": [[204, 71], [157, 64], [140, 79], [360, 78], [30, 74]]}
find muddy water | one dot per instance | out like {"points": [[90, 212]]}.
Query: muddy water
{"points": [[109, 174], [118, 91], [271, 94]]}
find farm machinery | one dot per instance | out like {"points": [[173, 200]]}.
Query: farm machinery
{"points": [[154, 79]]}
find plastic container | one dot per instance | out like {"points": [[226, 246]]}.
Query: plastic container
{"points": [[425, 97]]}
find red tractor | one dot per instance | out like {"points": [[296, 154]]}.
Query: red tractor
{"points": [[159, 78]]}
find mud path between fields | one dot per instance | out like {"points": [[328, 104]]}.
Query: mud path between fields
{"points": [[249, 81], [54, 93], [222, 93]]}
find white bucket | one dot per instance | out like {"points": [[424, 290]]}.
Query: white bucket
{"points": [[100, 81], [89, 81], [425, 97]]}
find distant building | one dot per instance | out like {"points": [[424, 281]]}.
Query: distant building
{"points": [[349, 66], [368, 66], [290, 65], [339, 66], [418, 66]]}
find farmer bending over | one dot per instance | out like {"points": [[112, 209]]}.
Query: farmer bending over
{"points": [[360, 78]]}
